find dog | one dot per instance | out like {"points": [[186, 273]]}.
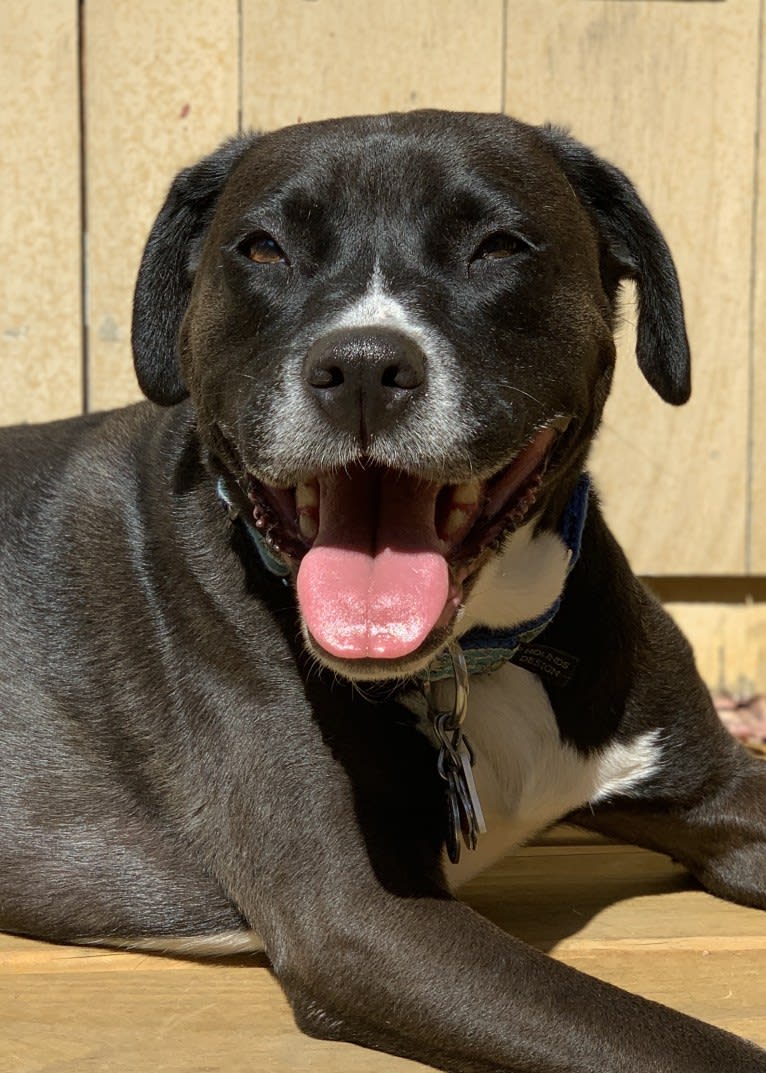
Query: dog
{"points": [[340, 595]]}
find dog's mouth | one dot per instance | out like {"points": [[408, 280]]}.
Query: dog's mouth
{"points": [[383, 557]]}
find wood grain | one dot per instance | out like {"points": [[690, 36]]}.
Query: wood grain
{"points": [[628, 916], [304, 61], [162, 89], [668, 92], [40, 308], [757, 535], [729, 642]]}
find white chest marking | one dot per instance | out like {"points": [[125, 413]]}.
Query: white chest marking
{"points": [[519, 584], [526, 776]]}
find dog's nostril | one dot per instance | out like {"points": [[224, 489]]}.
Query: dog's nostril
{"points": [[322, 377], [406, 376]]}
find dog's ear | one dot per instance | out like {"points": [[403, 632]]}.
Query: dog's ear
{"points": [[164, 283], [632, 247]]}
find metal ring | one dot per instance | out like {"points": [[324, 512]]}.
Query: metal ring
{"points": [[460, 674]]}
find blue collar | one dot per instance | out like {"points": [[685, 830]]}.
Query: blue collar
{"points": [[485, 650]]}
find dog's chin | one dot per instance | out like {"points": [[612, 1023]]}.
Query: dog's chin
{"points": [[383, 560], [380, 670]]}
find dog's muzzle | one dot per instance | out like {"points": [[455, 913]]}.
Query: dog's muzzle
{"points": [[382, 556]]}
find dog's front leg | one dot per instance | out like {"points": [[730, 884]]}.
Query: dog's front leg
{"points": [[717, 830], [329, 840], [431, 980]]}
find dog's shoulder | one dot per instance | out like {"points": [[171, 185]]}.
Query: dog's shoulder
{"points": [[90, 448]]}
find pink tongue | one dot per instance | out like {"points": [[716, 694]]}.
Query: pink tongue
{"points": [[374, 584]]}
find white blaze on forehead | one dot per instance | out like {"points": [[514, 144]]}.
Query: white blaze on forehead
{"points": [[376, 308], [443, 423]]}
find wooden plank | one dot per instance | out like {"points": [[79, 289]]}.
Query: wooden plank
{"points": [[41, 325], [592, 896], [729, 642], [667, 91], [162, 90], [757, 535], [563, 835], [231, 1018], [625, 915], [635, 919], [304, 61]]}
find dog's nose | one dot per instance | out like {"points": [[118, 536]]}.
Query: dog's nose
{"points": [[364, 379]]}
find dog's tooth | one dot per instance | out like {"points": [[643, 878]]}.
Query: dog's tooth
{"points": [[466, 495], [454, 523], [307, 508], [461, 507], [308, 525], [306, 495]]}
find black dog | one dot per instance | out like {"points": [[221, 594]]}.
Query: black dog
{"points": [[382, 346]]}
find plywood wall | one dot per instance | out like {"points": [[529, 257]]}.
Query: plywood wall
{"points": [[161, 89], [729, 642], [673, 92], [349, 57], [41, 365], [757, 350]]}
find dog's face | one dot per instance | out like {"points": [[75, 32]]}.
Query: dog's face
{"points": [[397, 336]]}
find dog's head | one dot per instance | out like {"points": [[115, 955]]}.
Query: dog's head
{"points": [[397, 334]]}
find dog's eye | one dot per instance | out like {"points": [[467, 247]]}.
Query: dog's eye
{"points": [[497, 245], [263, 249]]}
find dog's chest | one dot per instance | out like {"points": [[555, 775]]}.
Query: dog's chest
{"points": [[527, 777]]}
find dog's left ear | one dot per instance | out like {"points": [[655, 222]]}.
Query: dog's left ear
{"points": [[632, 247], [165, 278]]}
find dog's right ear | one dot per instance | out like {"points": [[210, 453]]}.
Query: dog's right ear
{"points": [[164, 283]]}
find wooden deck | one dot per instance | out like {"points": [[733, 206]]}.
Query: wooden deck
{"points": [[623, 914]]}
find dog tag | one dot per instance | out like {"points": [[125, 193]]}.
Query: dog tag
{"points": [[466, 757], [465, 819], [454, 822]]}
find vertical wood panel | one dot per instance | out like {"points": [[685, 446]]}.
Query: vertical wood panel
{"points": [[40, 309], [729, 642], [162, 89], [758, 416], [668, 91], [304, 61]]}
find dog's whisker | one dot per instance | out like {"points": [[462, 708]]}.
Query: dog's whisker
{"points": [[514, 387]]}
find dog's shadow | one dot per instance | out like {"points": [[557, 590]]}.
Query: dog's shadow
{"points": [[549, 893]]}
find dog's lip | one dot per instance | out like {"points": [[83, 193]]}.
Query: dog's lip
{"points": [[381, 559], [499, 503]]}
